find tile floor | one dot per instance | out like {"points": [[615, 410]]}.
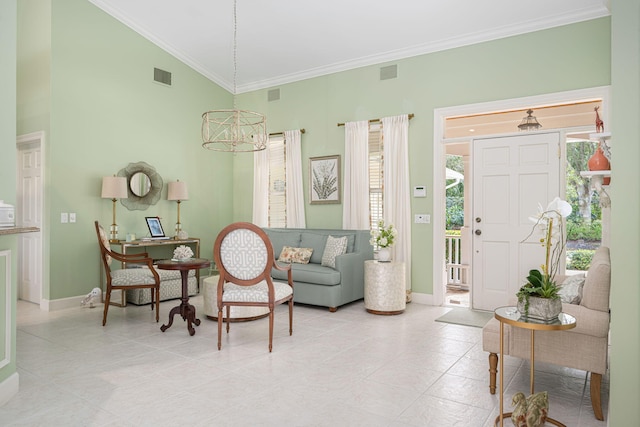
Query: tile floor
{"points": [[348, 368]]}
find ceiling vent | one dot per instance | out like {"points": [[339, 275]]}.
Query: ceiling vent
{"points": [[273, 95], [389, 72], [162, 76]]}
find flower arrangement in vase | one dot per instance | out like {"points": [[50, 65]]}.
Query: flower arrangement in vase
{"points": [[383, 238], [539, 298]]}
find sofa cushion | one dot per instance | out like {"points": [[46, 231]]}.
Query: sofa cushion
{"points": [[571, 289], [309, 273], [317, 241], [335, 246], [281, 238], [297, 255], [595, 293]]}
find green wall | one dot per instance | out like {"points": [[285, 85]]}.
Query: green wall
{"points": [[500, 69], [103, 112], [8, 37], [625, 205]]}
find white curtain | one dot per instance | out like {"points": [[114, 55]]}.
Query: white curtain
{"points": [[261, 187], [397, 202], [355, 211], [293, 170]]}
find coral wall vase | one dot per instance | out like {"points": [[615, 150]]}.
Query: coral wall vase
{"points": [[598, 162]]}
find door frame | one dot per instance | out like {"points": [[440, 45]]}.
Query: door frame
{"points": [[439, 117], [22, 140]]}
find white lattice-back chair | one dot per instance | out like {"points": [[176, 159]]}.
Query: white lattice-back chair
{"points": [[244, 256], [127, 278]]}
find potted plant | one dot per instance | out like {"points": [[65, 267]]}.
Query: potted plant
{"points": [[539, 298], [384, 238]]}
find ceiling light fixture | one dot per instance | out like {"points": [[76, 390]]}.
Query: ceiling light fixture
{"points": [[529, 122], [234, 130]]}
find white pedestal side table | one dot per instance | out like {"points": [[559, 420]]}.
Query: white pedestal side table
{"points": [[384, 287]]}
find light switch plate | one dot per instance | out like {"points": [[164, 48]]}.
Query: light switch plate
{"points": [[64, 217], [72, 217], [422, 219]]}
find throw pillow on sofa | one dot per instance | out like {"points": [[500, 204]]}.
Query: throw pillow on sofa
{"points": [[571, 289], [335, 246], [297, 255]]}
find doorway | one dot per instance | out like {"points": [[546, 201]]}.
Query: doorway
{"points": [[443, 142], [29, 212]]}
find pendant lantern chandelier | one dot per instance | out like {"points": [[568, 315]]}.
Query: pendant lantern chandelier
{"points": [[529, 122], [234, 130]]}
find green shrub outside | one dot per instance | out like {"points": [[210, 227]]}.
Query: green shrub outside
{"points": [[579, 230], [579, 259]]}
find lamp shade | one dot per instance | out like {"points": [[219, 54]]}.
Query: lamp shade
{"points": [[114, 187], [178, 191]]}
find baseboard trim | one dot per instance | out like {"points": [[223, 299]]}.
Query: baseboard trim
{"points": [[9, 388], [418, 298]]}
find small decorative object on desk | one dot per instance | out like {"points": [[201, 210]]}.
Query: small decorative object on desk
{"points": [[531, 411], [183, 235], [182, 253], [541, 283], [384, 238]]}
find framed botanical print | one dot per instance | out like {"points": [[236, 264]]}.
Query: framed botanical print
{"points": [[324, 179]]}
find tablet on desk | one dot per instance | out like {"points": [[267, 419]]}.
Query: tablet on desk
{"points": [[155, 228]]}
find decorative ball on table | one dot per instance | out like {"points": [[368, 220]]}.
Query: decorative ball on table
{"points": [[182, 253]]}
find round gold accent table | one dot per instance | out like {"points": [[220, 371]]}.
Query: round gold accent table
{"points": [[384, 287], [511, 316]]}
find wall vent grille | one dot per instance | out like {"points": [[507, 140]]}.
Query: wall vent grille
{"points": [[389, 72], [162, 76], [273, 95]]}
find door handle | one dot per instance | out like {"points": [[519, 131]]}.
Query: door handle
{"points": [[478, 232]]}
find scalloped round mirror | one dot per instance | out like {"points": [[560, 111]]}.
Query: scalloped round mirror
{"points": [[144, 186], [140, 184]]}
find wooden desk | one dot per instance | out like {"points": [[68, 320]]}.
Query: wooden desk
{"points": [[171, 244], [186, 310], [511, 316]]}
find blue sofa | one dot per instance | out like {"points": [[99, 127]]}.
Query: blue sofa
{"points": [[320, 285]]}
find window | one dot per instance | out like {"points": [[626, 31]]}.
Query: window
{"points": [[376, 174], [277, 182]]}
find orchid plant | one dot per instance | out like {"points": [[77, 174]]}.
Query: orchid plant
{"points": [[549, 223], [383, 237]]}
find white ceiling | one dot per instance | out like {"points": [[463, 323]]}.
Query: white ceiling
{"points": [[282, 41]]}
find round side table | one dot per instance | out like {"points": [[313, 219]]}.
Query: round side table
{"points": [[384, 287]]}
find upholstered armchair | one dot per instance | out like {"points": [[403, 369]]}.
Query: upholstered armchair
{"points": [[584, 347], [244, 256], [127, 278]]}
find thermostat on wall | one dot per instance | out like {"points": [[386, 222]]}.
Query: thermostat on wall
{"points": [[419, 191]]}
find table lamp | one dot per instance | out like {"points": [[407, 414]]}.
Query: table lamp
{"points": [[178, 192], [114, 188]]}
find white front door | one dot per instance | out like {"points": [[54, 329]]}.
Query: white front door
{"points": [[29, 214], [511, 176]]}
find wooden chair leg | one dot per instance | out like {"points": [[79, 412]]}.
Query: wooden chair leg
{"points": [[228, 318], [596, 381], [107, 301], [157, 305], [270, 329], [290, 317], [219, 328], [493, 370]]}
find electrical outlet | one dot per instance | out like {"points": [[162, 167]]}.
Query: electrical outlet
{"points": [[64, 217], [72, 217]]}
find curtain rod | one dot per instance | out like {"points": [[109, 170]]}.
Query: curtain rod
{"points": [[282, 133], [377, 120]]}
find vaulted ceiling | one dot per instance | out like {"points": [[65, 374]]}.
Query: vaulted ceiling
{"points": [[281, 41]]}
